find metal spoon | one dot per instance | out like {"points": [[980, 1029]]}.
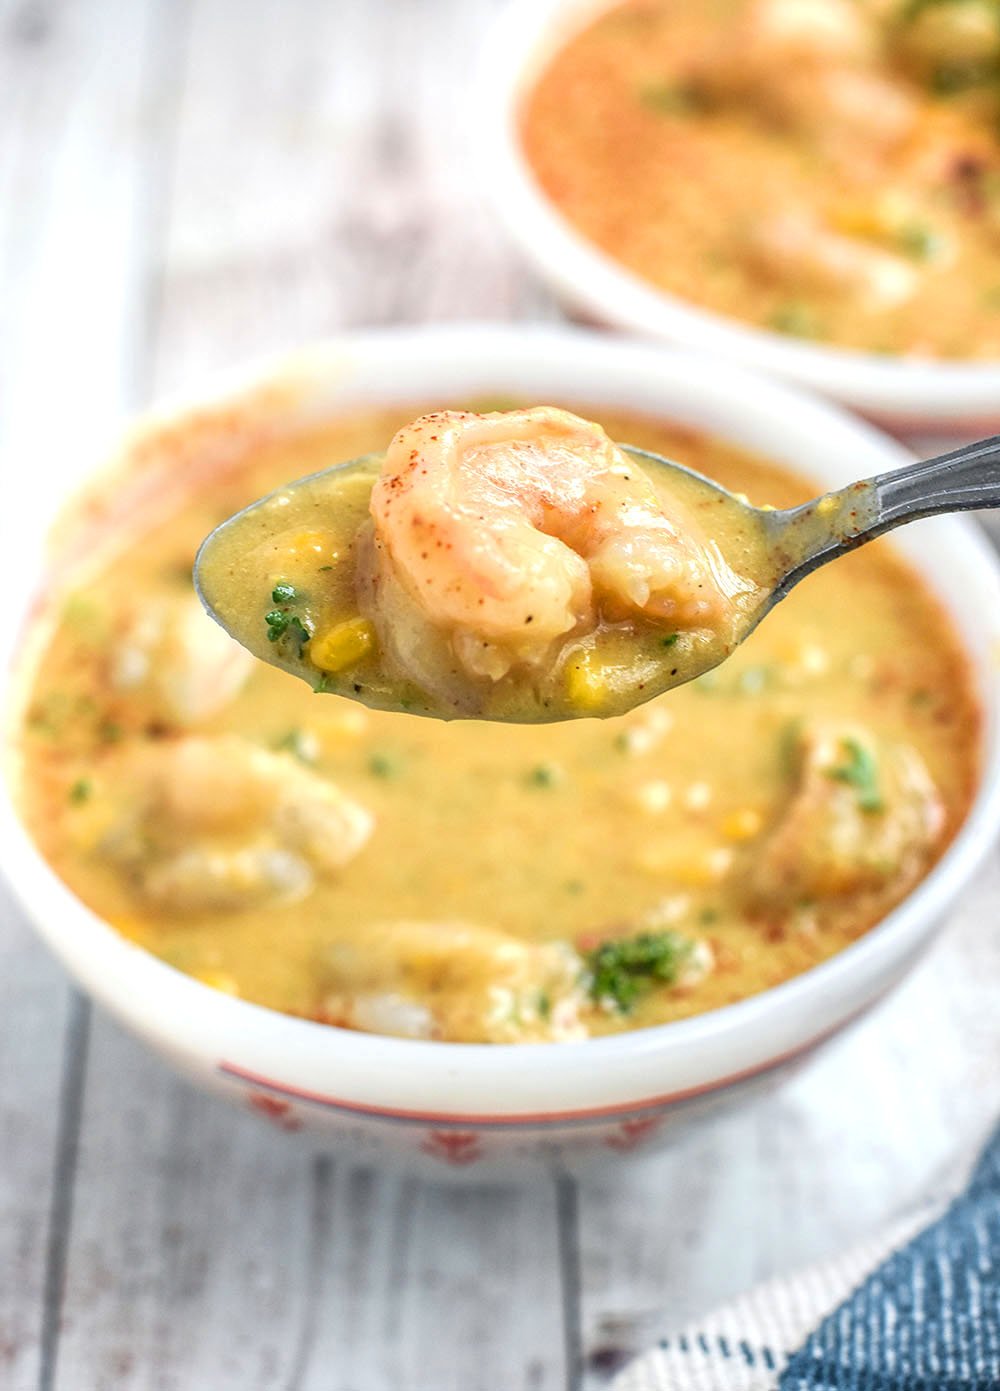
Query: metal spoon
{"points": [[803, 538], [796, 541]]}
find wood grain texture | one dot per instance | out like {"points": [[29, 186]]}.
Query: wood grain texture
{"points": [[325, 178], [886, 1114], [74, 137], [185, 184], [206, 1250]]}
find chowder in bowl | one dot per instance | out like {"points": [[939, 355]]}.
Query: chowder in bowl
{"points": [[809, 189], [476, 943]]}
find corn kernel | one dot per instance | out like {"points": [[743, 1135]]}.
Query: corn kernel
{"points": [[743, 824], [586, 685], [698, 796], [342, 646], [864, 219], [695, 870], [218, 980], [706, 868], [654, 796], [306, 545]]}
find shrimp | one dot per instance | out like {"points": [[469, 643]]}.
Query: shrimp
{"points": [[795, 247], [864, 813], [220, 824], [773, 35], [454, 980], [809, 65], [498, 537], [184, 666]]}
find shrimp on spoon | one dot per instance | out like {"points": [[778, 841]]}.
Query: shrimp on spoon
{"points": [[520, 566]]}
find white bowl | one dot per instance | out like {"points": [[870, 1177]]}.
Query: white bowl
{"points": [[899, 392], [460, 1105]]}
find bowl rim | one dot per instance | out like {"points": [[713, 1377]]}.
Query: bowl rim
{"points": [[904, 391], [415, 1080]]}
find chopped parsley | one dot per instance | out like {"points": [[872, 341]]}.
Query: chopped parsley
{"points": [[950, 79], [669, 640], [384, 765], [545, 775], [673, 98], [919, 241], [860, 770], [284, 626], [81, 791], [624, 969], [795, 319], [298, 742]]}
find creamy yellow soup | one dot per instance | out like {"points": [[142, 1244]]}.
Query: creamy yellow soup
{"points": [[829, 169], [513, 566], [465, 881]]}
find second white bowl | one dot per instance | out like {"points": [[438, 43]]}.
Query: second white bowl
{"points": [[902, 393]]}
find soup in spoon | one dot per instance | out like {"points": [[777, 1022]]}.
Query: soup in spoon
{"points": [[511, 566]]}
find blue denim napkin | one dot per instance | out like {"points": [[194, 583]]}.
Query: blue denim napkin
{"points": [[916, 1309]]}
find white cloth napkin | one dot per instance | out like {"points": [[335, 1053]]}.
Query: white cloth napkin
{"points": [[916, 1308]]}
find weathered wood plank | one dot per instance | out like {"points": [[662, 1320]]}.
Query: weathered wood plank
{"points": [[71, 168], [325, 178], [882, 1117], [33, 1009], [206, 1250]]}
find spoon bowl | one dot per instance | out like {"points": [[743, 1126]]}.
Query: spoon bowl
{"points": [[252, 577], [292, 578]]}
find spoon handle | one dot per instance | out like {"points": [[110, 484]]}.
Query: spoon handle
{"points": [[966, 479], [808, 536]]}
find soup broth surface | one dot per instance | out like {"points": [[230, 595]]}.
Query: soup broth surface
{"points": [[467, 881], [827, 169]]}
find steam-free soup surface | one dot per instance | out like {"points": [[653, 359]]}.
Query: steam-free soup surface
{"points": [[829, 169], [511, 565], [482, 882]]}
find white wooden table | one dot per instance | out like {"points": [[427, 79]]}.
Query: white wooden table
{"points": [[184, 184]]}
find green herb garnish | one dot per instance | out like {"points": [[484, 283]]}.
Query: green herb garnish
{"points": [[623, 970], [284, 626], [384, 765], [919, 241], [297, 742], [860, 770], [795, 319], [81, 791], [669, 640], [545, 775], [673, 98]]}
